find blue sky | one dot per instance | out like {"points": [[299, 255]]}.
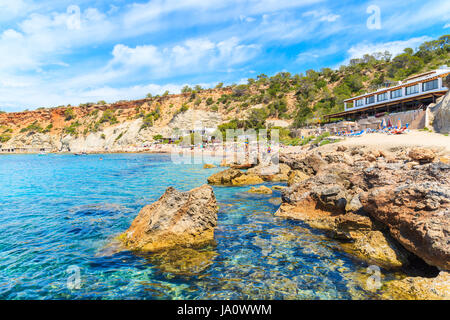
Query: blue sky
{"points": [[75, 51]]}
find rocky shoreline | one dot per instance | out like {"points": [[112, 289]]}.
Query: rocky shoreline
{"points": [[389, 208]]}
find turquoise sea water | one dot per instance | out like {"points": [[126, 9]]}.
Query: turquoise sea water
{"points": [[58, 211]]}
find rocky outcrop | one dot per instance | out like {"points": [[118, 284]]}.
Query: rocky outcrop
{"points": [[418, 216], [208, 166], [439, 114], [260, 190], [245, 179], [296, 176], [176, 219], [418, 288], [422, 155], [310, 163], [272, 173], [383, 202], [376, 248], [224, 177]]}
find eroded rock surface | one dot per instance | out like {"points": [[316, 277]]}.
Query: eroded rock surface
{"points": [[382, 201], [176, 219]]}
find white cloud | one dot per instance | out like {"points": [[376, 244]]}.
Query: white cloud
{"points": [[190, 56], [447, 26]]}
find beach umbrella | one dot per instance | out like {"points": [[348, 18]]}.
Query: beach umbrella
{"points": [[399, 123], [389, 122], [383, 123]]}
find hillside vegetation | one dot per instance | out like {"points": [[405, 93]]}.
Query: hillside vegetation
{"points": [[300, 99]]}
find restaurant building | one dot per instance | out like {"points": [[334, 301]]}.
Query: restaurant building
{"points": [[410, 94]]}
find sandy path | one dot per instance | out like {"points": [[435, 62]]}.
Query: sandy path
{"points": [[409, 139]]}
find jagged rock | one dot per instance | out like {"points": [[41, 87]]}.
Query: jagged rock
{"points": [[414, 204], [318, 219], [296, 176], [247, 179], [309, 164], [411, 204], [418, 288], [351, 226], [176, 219], [354, 205], [278, 188], [374, 247], [272, 173], [208, 166], [261, 190], [422, 155], [242, 166], [440, 115], [224, 177]]}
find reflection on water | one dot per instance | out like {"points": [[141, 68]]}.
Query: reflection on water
{"points": [[58, 211]]}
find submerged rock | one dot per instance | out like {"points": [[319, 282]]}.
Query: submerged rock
{"points": [[245, 179], [224, 177], [377, 248], [296, 176], [176, 219], [411, 202], [418, 288]]}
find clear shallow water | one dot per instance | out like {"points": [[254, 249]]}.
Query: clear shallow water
{"points": [[62, 210]]}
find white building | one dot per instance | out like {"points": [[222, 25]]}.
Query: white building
{"points": [[410, 93]]}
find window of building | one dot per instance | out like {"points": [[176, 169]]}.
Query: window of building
{"points": [[370, 99], [359, 102], [430, 85], [396, 93], [382, 96], [412, 89]]}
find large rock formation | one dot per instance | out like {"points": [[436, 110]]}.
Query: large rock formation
{"points": [[417, 212], [418, 288], [224, 177], [439, 114], [381, 201], [176, 219]]}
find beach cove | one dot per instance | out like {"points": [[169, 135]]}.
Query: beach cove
{"points": [[61, 210]]}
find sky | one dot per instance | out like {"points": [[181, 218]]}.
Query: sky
{"points": [[59, 52]]}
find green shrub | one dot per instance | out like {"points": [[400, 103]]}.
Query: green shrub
{"points": [[5, 137], [108, 116], [48, 128], [34, 128], [69, 114], [72, 129]]}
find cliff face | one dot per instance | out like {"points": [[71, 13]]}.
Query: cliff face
{"points": [[111, 127]]}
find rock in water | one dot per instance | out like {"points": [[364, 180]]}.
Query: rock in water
{"points": [[224, 177], [418, 288], [177, 218], [260, 190], [208, 166]]}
